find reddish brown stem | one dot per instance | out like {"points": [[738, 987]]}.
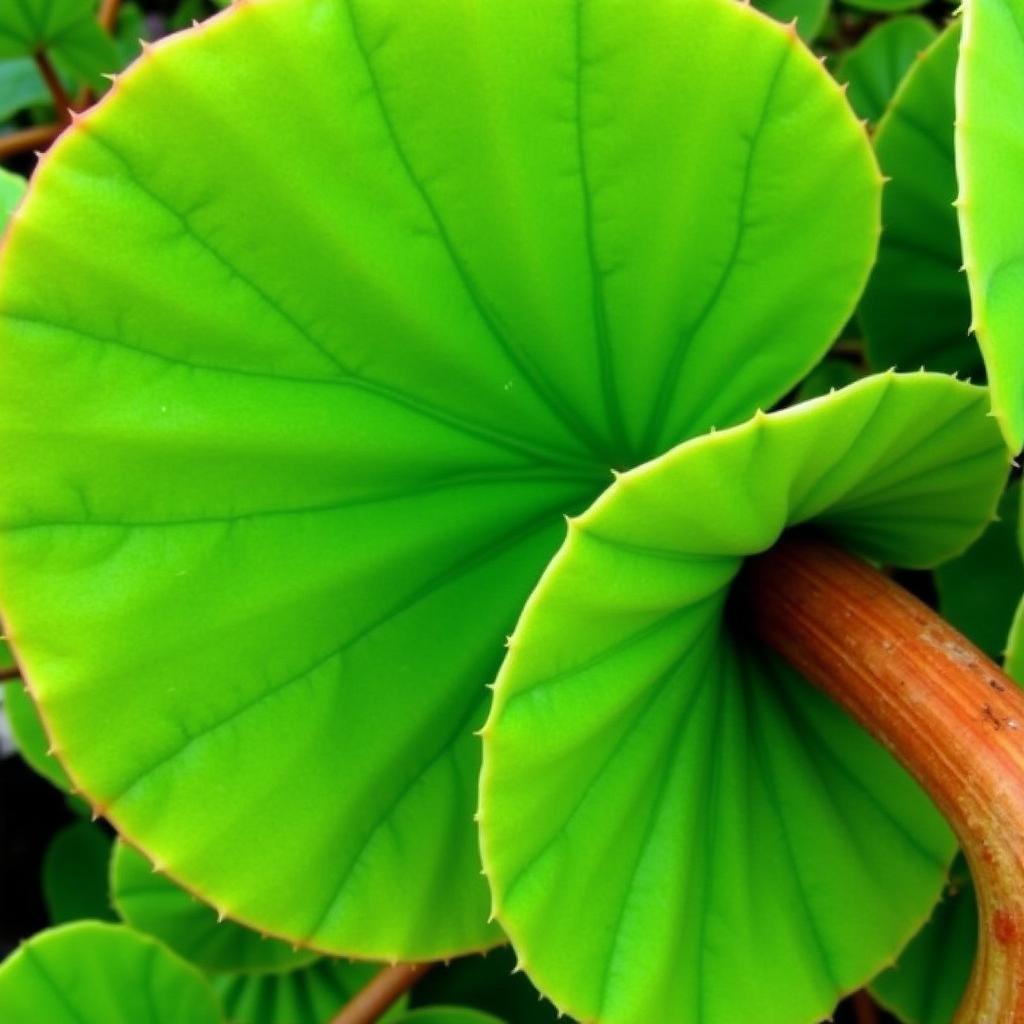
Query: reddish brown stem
{"points": [[383, 990], [107, 16], [37, 137], [8, 675], [864, 1009], [947, 713], [61, 100]]}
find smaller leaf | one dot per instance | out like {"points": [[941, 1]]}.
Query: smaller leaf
{"points": [[153, 903], [809, 14], [21, 86], [979, 591], [74, 871], [30, 736], [828, 375], [887, 6], [926, 984], [12, 188], [876, 65], [95, 973]]}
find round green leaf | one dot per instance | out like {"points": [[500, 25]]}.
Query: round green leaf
{"points": [[319, 390], [154, 904], [30, 736], [66, 29], [990, 166], [875, 67], [93, 973], [808, 14], [662, 800], [75, 875], [307, 995], [979, 591], [916, 309]]}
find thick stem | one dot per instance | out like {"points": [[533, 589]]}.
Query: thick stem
{"points": [[947, 713], [61, 100], [864, 1010], [107, 16], [380, 993], [36, 137]]}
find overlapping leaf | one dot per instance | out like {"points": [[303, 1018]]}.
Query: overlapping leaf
{"points": [[809, 14], [990, 167], [75, 876], [876, 65], [916, 309], [641, 749], [66, 29], [288, 439], [93, 973], [153, 904]]}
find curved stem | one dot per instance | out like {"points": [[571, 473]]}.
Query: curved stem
{"points": [[107, 16], [61, 100], [36, 137], [384, 989], [947, 713]]}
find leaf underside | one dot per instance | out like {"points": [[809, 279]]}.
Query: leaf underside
{"points": [[640, 748], [990, 167], [289, 438]]}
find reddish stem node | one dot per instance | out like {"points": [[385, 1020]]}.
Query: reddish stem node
{"points": [[947, 713], [61, 100]]}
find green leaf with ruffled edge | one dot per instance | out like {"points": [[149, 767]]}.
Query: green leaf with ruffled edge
{"points": [[926, 984], [75, 876], [152, 903], [875, 67], [662, 800], [916, 309], [990, 167], [66, 29], [306, 437], [94, 973]]}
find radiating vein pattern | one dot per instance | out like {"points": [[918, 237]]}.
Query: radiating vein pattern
{"points": [[640, 746], [290, 421]]}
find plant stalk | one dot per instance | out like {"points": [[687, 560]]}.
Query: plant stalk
{"points": [[61, 100], [377, 996], [107, 16], [36, 137], [948, 714]]}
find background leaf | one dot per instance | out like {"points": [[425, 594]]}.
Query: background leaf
{"points": [[640, 746], [93, 973], [916, 310], [74, 874], [875, 66], [810, 14]]}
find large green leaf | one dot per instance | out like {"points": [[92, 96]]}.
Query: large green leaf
{"points": [[662, 800], [319, 389], [875, 67], [66, 29], [93, 973], [74, 874], [154, 904], [926, 984], [916, 310], [447, 1015], [990, 167]]}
